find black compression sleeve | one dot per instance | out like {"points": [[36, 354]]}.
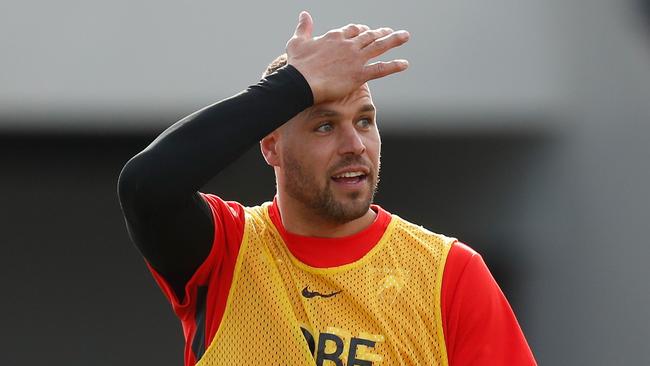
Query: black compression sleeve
{"points": [[158, 188]]}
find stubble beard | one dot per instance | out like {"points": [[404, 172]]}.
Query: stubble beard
{"points": [[305, 189]]}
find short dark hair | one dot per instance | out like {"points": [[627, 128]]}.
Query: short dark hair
{"points": [[279, 62]]}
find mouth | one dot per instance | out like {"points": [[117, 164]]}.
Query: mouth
{"points": [[350, 179]]}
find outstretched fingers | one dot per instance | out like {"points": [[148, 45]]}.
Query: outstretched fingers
{"points": [[336, 63], [381, 45], [370, 35], [380, 69], [353, 30]]}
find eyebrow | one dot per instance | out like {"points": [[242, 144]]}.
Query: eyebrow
{"points": [[324, 112]]}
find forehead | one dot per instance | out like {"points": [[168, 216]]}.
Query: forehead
{"points": [[360, 99]]}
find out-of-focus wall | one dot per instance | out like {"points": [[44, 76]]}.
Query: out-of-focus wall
{"points": [[97, 64], [78, 290], [523, 128]]}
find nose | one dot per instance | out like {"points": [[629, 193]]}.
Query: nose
{"points": [[351, 142]]}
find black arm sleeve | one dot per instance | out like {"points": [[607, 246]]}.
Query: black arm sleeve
{"points": [[167, 219]]}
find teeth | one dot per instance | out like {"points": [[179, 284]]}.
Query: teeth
{"points": [[348, 175]]}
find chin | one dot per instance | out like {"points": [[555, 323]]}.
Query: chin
{"points": [[349, 209]]}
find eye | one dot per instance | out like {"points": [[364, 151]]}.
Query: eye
{"points": [[364, 123], [324, 127]]}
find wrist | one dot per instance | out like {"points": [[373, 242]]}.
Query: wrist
{"points": [[306, 80]]}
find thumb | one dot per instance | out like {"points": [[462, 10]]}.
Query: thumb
{"points": [[305, 25]]}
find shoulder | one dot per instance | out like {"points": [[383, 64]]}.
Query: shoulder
{"points": [[461, 255], [224, 208], [464, 268], [232, 215], [460, 252], [421, 234]]}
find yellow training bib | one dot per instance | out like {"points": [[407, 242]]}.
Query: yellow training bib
{"points": [[383, 309]]}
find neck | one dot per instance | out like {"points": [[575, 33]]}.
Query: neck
{"points": [[298, 219]]}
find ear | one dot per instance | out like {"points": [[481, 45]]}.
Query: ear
{"points": [[269, 146]]}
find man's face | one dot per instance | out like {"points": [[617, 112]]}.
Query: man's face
{"points": [[329, 157]]}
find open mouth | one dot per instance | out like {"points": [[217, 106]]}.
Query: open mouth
{"points": [[350, 178]]}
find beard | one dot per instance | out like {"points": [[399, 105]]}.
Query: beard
{"points": [[303, 187]]}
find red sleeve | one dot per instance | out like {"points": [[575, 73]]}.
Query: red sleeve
{"points": [[479, 325], [207, 290]]}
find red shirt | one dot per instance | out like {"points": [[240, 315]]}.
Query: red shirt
{"points": [[478, 323]]}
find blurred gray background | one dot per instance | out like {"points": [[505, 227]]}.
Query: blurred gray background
{"points": [[521, 127]]}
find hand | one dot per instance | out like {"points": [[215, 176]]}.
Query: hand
{"points": [[336, 63]]}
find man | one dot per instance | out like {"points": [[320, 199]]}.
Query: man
{"points": [[318, 276]]}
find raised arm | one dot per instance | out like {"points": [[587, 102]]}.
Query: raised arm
{"points": [[165, 215], [158, 188]]}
